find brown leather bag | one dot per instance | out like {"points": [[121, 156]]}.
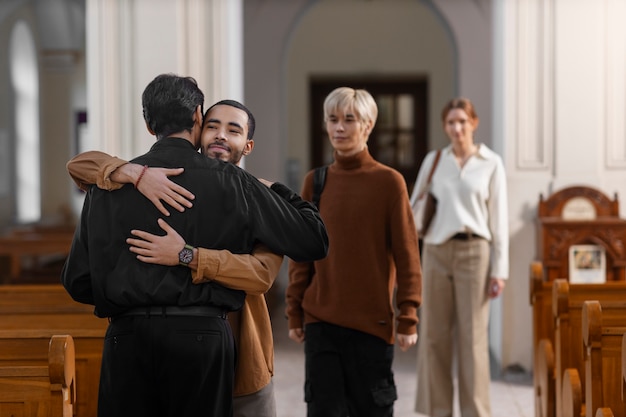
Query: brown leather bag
{"points": [[430, 205]]}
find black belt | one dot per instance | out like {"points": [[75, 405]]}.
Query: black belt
{"points": [[466, 236], [166, 311]]}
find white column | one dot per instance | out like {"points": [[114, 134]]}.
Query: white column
{"points": [[523, 128], [129, 43]]}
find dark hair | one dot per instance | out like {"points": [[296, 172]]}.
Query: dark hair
{"points": [[238, 105], [459, 103], [169, 102]]}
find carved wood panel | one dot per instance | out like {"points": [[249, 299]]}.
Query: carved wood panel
{"points": [[556, 235]]}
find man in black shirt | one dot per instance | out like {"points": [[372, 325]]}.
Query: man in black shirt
{"points": [[168, 350]]}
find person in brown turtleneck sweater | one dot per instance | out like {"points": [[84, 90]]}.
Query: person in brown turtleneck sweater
{"points": [[342, 306]]}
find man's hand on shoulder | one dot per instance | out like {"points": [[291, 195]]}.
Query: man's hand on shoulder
{"points": [[155, 185]]}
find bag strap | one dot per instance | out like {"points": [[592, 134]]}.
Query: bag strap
{"points": [[430, 174], [319, 179], [432, 170]]}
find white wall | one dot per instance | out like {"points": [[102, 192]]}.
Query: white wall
{"points": [[557, 109], [132, 42], [356, 50]]}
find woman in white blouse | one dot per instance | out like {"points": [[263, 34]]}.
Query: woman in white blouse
{"points": [[465, 263]]}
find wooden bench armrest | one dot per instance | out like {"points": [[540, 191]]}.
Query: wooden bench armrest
{"points": [[62, 364], [592, 324], [604, 412], [572, 394], [560, 297], [544, 379], [62, 360]]}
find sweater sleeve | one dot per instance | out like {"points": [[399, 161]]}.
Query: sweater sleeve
{"points": [[94, 167], [405, 250]]}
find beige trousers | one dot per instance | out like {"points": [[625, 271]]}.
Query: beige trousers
{"points": [[454, 319]]}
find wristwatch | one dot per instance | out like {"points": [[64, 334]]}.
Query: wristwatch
{"points": [[185, 255]]}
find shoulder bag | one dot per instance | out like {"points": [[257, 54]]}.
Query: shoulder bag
{"points": [[430, 205]]}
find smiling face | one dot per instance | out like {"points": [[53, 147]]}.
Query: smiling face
{"points": [[347, 133], [225, 134]]}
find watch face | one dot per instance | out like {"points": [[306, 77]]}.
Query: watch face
{"points": [[185, 256]]}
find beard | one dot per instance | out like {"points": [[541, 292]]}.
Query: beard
{"points": [[232, 155]]}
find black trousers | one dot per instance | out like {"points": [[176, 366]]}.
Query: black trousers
{"points": [[174, 366], [348, 373]]}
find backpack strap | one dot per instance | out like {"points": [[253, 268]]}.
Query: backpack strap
{"points": [[319, 179]]}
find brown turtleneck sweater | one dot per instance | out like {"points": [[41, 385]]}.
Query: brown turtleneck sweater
{"points": [[372, 248]]}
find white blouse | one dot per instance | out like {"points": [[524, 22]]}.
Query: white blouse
{"points": [[469, 199]]}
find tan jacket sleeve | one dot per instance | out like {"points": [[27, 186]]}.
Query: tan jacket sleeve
{"points": [[254, 273], [94, 167]]}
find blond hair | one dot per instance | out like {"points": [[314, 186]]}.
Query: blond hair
{"points": [[348, 99]]}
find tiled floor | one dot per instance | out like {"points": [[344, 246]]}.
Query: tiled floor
{"points": [[511, 395]]}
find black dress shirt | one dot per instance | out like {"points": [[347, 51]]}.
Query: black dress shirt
{"points": [[232, 210]]}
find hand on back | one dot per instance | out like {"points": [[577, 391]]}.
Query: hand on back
{"points": [[159, 189], [154, 249]]}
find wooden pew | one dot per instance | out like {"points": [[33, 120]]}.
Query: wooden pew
{"points": [[568, 302], [41, 390], [540, 296], [34, 242], [602, 392], [564, 350], [31, 314]]}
